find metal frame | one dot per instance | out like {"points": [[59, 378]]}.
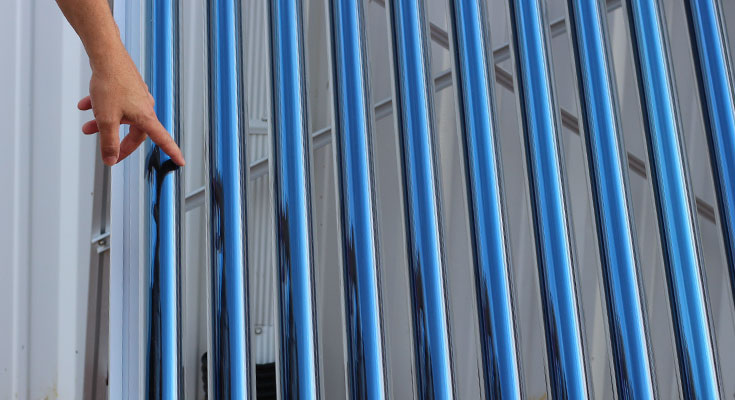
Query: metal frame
{"points": [[126, 240]]}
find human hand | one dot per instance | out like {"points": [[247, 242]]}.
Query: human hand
{"points": [[118, 95]]}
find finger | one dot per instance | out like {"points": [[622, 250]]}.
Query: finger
{"points": [[131, 142], [110, 141], [163, 139], [90, 127], [85, 104]]}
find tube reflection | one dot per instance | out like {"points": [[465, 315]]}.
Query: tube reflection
{"points": [[413, 88], [608, 170], [163, 315], [291, 194], [353, 148], [229, 354], [673, 202], [473, 64], [545, 171], [717, 90]]}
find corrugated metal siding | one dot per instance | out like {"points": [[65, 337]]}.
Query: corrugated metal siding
{"points": [[260, 211], [259, 146], [262, 272], [255, 34]]}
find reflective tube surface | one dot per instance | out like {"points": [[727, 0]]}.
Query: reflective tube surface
{"points": [[413, 88], [228, 295], [608, 169], [290, 160], [543, 149], [164, 369], [715, 82], [353, 135], [676, 220], [473, 63]]}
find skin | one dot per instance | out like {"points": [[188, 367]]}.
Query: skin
{"points": [[117, 93]]}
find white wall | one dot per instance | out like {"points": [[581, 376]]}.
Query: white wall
{"points": [[46, 204]]}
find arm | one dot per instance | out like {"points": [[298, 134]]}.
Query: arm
{"points": [[117, 93]]}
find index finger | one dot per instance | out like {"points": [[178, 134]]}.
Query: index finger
{"points": [[160, 136]]}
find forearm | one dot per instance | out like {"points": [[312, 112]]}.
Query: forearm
{"points": [[93, 22]]}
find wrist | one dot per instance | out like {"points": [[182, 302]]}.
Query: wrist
{"points": [[105, 50]]}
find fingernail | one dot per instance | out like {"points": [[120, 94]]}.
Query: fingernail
{"points": [[110, 160]]}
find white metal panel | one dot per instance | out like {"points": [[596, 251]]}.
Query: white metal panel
{"points": [[45, 211], [15, 79]]}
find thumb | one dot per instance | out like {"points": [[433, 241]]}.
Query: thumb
{"points": [[110, 141]]}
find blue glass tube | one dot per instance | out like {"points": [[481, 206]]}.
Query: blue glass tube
{"points": [[673, 202], [716, 84], [608, 174], [291, 196], [163, 315], [545, 172], [413, 89], [353, 151], [473, 65], [229, 353]]}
